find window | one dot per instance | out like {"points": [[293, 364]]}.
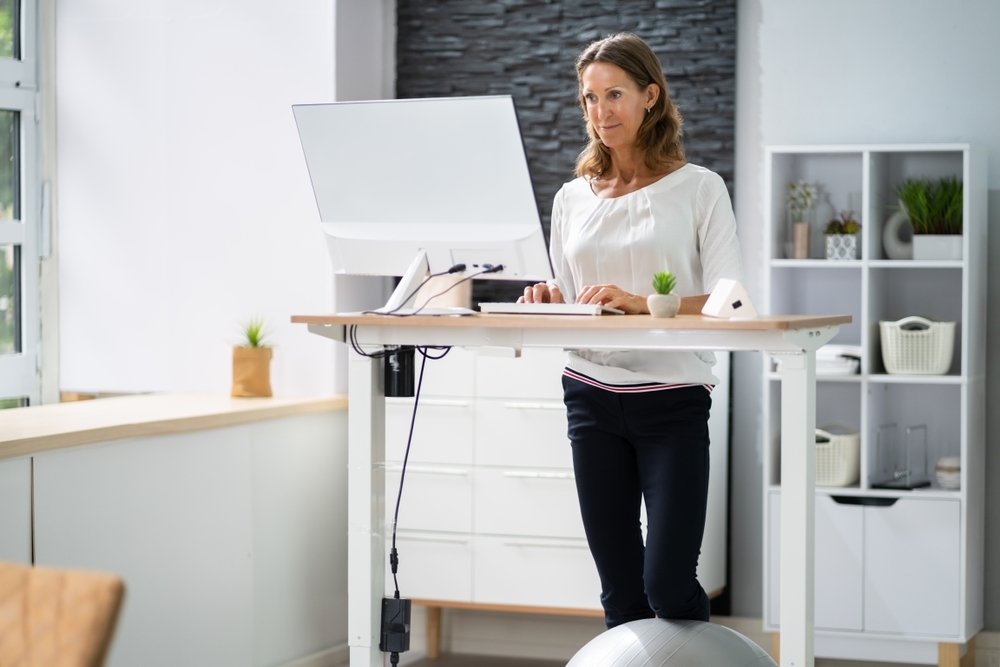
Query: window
{"points": [[19, 206]]}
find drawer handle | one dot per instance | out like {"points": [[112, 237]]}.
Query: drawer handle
{"points": [[521, 405], [445, 402], [867, 501], [439, 402], [544, 545], [425, 470], [445, 540], [533, 474]]}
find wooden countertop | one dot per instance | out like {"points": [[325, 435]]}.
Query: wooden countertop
{"points": [[36, 429], [680, 322]]}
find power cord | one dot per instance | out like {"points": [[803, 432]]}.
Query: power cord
{"points": [[457, 268], [488, 269]]}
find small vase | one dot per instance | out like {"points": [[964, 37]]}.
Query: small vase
{"points": [[841, 246], [663, 305], [251, 371], [800, 240]]}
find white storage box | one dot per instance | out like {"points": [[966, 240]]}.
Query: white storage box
{"points": [[838, 456], [917, 346]]}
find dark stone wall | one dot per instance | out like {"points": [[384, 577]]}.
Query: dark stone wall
{"points": [[527, 48]]}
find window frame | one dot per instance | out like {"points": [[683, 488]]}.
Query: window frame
{"points": [[20, 372]]}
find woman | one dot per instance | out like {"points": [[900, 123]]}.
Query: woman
{"points": [[638, 420]]}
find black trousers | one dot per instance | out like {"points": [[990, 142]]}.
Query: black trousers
{"points": [[627, 448]]}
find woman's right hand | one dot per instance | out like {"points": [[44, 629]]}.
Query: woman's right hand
{"points": [[541, 293]]}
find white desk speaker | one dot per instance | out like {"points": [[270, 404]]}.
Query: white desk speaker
{"points": [[729, 300]]}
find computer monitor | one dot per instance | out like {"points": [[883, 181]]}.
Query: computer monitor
{"points": [[411, 187]]}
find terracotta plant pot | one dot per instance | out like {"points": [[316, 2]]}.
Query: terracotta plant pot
{"points": [[251, 371], [663, 305]]}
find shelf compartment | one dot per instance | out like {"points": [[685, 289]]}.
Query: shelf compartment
{"points": [[932, 293], [836, 403], [839, 177], [775, 376], [887, 171], [883, 378], [817, 263], [916, 264], [906, 405], [820, 290]]}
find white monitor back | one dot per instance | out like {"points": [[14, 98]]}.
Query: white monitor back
{"points": [[447, 176]]}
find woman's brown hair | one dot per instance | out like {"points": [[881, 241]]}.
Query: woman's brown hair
{"points": [[659, 134]]}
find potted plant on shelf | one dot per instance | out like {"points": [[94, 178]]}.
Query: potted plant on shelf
{"points": [[842, 237], [663, 303], [935, 213], [252, 361], [801, 197]]}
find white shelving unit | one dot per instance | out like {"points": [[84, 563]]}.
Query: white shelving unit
{"points": [[899, 574]]}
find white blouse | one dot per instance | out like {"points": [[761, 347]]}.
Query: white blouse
{"points": [[682, 223]]}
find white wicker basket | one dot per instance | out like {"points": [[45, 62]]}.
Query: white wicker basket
{"points": [[838, 456], [917, 346]]}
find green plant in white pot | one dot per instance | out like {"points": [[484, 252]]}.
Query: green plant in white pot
{"points": [[935, 213], [663, 303], [842, 237]]}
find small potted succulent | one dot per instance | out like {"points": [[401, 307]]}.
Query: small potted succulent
{"points": [[801, 197], [252, 361], [935, 213], [663, 303], [842, 237]]}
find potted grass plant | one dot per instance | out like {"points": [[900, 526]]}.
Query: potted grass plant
{"points": [[663, 303], [935, 212], [252, 361], [842, 237]]}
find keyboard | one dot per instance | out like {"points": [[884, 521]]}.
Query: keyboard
{"points": [[548, 309]]}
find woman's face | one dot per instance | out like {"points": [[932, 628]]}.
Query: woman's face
{"points": [[615, 104]]}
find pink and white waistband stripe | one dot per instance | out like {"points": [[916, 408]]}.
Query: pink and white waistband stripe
{"points": [[630, 388]]}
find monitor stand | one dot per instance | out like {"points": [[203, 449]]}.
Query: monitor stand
{"points": [[403, 297]]}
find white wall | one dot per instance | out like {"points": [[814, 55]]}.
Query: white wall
{"points": [[853, 71], [184, 202]]}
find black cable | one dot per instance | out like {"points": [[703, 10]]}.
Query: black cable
{"points": [[393, 313], [457, 268], [393, 555]]}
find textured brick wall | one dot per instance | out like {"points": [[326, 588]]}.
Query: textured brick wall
{"points": [[526, 48]]}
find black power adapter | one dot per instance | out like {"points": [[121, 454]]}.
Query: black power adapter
{"points": [[395, 627]]}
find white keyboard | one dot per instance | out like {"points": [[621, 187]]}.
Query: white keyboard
{"points": [[548, 309]]}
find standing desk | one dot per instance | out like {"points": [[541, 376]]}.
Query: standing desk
{"points": [[794, 338]]}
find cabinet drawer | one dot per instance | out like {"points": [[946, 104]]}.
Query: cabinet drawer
{"points": [[535, 572], [522, 432], [838, 564], [434, 566], [443, 432], [912, 567], [527, 501], [537, 373], [435, 497], [453, 375]]}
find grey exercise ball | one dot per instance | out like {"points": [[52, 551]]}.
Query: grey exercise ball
{"points": [[653, 642]]}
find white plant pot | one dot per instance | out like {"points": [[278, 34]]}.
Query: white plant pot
{"points": [[663, 305], [841, 246], [937, 246]]}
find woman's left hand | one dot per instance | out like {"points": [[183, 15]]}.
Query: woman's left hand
{"points": [[613, 297]]}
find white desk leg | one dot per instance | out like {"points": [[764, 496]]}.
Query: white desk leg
{"points": [[365, 509], [798, 482]]}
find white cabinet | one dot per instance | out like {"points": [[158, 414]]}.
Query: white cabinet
{"points": [[838, 565], [912, 567], [897, 567], [15, 510], [489, 512]]}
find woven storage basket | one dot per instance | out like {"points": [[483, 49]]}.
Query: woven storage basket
{"points": [[838, 460], [925, 348]]}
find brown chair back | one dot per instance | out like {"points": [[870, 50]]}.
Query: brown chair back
{"points": [[56, 618]]}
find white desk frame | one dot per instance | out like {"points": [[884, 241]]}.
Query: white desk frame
{"points": [[795, 344]]}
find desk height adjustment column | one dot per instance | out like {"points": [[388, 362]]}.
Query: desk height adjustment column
{"points": [[365, 509]]}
